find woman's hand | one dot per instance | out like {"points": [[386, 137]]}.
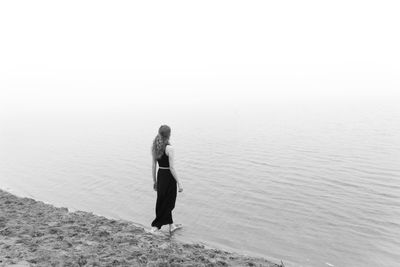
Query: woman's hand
{"points": [[155, 186], [180, 188]]}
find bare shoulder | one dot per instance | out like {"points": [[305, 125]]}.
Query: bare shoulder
{"points": [[169, 149]]}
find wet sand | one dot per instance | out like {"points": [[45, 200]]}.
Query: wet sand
{"points": [[33, 233]]}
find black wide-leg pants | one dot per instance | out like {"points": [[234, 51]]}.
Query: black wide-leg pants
{"points": [[166, 197]]}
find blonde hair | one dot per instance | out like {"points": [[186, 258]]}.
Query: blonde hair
{"points": [[160, 141]]}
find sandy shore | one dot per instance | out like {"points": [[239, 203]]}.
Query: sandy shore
{"points": [[33, 233]]}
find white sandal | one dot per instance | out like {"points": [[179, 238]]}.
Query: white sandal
{"points": [[175, 227], [155, 231]]}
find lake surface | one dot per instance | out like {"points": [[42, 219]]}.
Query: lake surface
{"points": [[314, 183]]}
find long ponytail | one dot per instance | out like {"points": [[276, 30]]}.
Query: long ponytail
{"points": [[160, 141]]}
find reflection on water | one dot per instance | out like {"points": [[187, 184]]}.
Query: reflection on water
{"points": [[312, 185]]}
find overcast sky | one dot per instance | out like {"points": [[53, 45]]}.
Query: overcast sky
{"points": [[59, 54]]}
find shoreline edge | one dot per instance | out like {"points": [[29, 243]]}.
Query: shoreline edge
{"points": [[33, 233]]}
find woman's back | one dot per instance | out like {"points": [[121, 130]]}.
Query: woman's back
{"points": [[163, 161]]}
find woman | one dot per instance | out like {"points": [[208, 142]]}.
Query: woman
{"points": [[166, 180]]}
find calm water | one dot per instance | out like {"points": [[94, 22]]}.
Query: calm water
{"points": [[313, 183]]}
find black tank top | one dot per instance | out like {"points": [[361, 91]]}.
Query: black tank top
{"points": [[163, 161]]}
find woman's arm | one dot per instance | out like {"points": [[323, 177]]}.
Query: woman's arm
{"points": [[154, 167], [171, 155]]}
